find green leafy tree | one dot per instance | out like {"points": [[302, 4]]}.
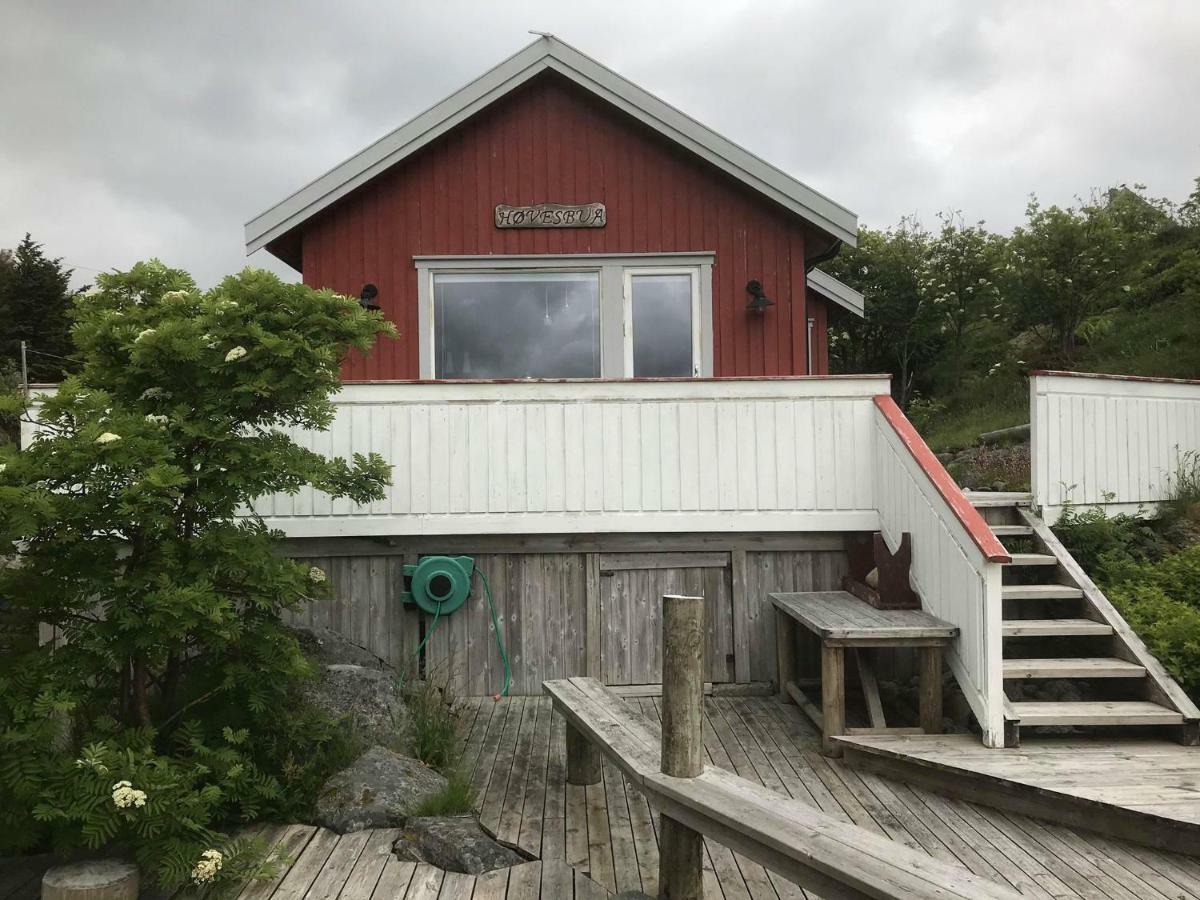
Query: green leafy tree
{"points": [[35, 299], [899, 333], [1064, 266], [959, 282], [167, 707]]}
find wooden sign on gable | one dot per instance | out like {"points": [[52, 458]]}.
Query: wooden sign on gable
{"points": [[552, 215]]}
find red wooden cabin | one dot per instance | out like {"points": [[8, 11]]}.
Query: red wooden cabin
{"points": [[660, 288]]}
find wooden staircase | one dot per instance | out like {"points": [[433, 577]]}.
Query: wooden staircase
{"points": [[1064, 638]]}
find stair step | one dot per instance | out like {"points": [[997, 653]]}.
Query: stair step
{"points": [[1039, 592], [1055, 628], [1126, 712], [1011, 530], [982, 499], [1032, 559], [1101, 667]]}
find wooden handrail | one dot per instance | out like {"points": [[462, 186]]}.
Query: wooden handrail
{"points": [[967, 515]]}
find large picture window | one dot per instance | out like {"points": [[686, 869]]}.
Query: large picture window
{"points": [[584, 316], [517, 325]]}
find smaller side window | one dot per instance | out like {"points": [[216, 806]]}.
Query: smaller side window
{"points": [[662, 323]]}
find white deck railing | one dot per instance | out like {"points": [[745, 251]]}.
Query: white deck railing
{"points": [[956, 560], [1110, 441], [593, 457]]}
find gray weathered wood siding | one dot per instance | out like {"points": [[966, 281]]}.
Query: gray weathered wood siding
{"points": [[573, 611]]}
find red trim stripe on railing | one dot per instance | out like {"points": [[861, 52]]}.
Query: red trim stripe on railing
{"points": [[967, 514]]}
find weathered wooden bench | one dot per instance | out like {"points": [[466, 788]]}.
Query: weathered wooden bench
{"points": [[842, 621], [801, 843]]}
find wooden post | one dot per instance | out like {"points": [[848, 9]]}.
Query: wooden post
{"points": [[833, 697], [681, 850], [583, 759], [930, 688], [785, 653], [97, 879]]}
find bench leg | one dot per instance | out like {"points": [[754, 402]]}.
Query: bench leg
{"points": [[681, 861], [583, 760], [931, 689], [785, 653], [833, 697]]}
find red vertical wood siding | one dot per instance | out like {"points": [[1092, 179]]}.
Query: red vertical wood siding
{"points": [[549, 141]]}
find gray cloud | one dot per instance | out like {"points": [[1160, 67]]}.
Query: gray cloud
{"points": [[131, 129]]}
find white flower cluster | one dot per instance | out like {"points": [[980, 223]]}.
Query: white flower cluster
{"points": [[153, 393], [143, 334], [107, 438], [222, 305], [207, 868], [3, 466], [160, 421], [126, 795], [235, 354], [316, 575], [175, 295]]}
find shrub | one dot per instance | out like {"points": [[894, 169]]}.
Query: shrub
{"points": [[1161, 602], [1089, 535], [169, 710]]}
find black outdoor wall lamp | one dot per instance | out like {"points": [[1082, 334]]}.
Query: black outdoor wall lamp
{"points": [[760, 300], [367, 298]]}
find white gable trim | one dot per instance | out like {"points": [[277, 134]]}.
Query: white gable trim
{"points": [[839, 292], [550, 53]]}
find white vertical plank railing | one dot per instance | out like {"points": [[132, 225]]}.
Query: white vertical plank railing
{"points": [[956, 559], [1111, 441], [592, 457]]}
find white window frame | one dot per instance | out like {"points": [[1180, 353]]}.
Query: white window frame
{"points": [[615, 348], [631, 272]]}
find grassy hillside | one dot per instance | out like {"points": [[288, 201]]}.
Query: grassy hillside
{"points": [[1161, 339]]}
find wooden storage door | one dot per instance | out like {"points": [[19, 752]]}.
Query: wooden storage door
{"points": [[631, 589]]}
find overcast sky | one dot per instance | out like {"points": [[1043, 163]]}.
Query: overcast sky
{"points": [[136, 129]]}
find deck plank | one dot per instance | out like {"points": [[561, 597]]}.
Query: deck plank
{"points": [[308, 866], [394, 880], [371, 861], [426, 883]]}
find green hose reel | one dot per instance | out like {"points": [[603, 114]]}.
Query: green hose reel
{"points": [[439, 584]]}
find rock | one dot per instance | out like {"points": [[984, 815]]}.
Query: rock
{"points": [[330, 648], [96, 879], [379, 790], [453, 843], [369, 699]]}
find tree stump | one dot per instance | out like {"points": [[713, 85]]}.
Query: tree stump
{"points": [[97, 879]]}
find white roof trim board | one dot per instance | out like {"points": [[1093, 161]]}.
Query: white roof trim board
{"points": [[549, 52], [839, 292]]}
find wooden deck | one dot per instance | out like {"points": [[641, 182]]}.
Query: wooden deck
{"points": [[1148, 789], [516, 750], [601, 839]]}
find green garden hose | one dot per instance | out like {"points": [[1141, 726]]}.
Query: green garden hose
{"points": [[499, 638], [487, 588]]}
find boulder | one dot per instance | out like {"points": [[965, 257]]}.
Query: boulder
{"points": [[326, 647], [369, 699], [379, 790], [453, 843]]}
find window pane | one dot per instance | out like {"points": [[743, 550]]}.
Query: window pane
{"points": [[662, 325], [518, 325]]}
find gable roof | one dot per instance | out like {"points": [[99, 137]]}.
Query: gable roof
{"points": [[837, 291], [549, 53]]}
